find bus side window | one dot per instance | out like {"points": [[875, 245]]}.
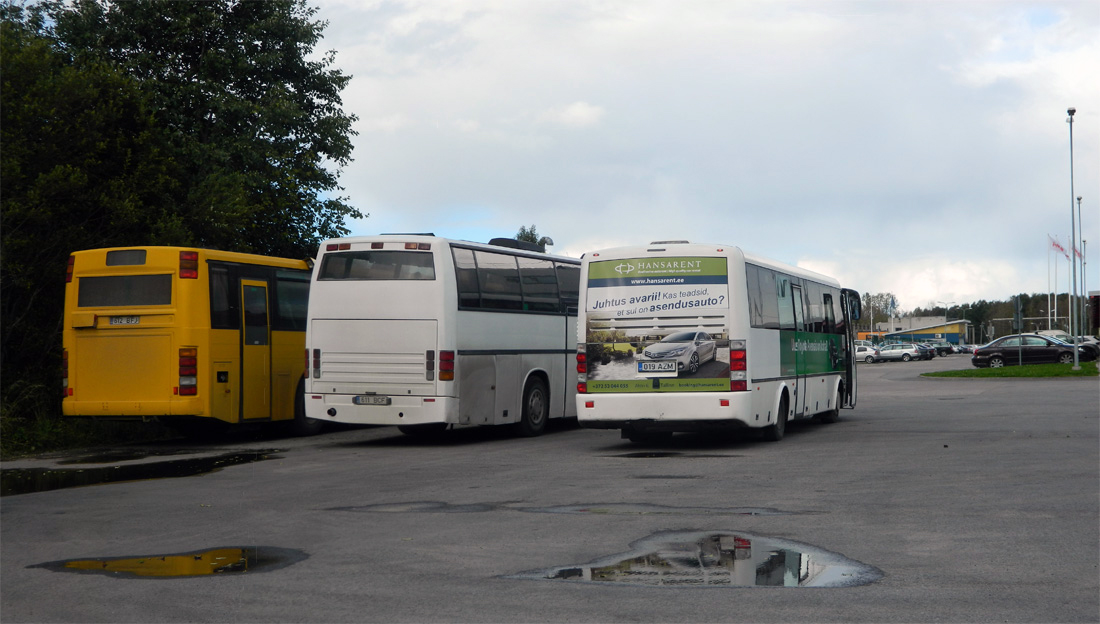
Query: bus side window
{"points": [[569, 280], [291, 300], [756, 300], [224, 305], [498, 276], [768, 301], [466, 277], [830, 319], [786, 306], [540, 285]]}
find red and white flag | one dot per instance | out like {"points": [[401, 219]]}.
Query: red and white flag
{"points": [[1055, 244]]}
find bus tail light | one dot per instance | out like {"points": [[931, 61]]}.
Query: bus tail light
{"points": [[429, 365], [316, 363], [189, 265], [189, 371], [739, 366], [446, 366], [582, 369], [69, 270], [65, 389]]}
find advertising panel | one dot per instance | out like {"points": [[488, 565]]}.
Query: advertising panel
{"points": [[658, 325]]}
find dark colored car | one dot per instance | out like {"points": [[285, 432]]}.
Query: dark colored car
{"points": [[1028, 348], [927, 351], [944, 348]]}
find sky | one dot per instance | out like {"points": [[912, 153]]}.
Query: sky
{"points": [[913, 147]]}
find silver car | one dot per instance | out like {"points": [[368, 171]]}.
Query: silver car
{"points": [[866, 354], [903, 352]]}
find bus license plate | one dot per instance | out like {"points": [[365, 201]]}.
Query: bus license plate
{"points": [[371, 400], [657, 367], [124, 320]]}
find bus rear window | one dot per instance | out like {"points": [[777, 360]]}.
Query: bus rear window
{"points": [[378, 265], [124, 291]]}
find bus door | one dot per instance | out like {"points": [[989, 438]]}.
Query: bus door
{"points": [[852, 308], [799, 354], [255, 351]]}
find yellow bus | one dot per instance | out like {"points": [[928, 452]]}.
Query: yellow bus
{"points": [[185, 335]]}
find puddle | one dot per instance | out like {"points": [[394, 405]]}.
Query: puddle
{"points": [[612, 509], [28, 480], [225, 560], [717, 559]]}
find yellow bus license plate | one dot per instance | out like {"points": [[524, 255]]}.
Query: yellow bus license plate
{"points": [[125, 320]]}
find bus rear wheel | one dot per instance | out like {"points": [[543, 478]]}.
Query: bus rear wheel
{"points": [[775, 432], [536, 408], [302, 425]]}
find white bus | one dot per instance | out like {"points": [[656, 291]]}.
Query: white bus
{"points": [[427, 333], [693, 337]]}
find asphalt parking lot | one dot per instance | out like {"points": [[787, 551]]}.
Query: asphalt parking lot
{"points": [[935, 500]]}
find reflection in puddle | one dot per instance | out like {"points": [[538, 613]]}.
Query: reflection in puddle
{"points": [[28, 480], [119, 455], [200, 563], [690, 559]]}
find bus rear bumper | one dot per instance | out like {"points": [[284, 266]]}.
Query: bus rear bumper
{"points": [[407, 410], [704, 411]]}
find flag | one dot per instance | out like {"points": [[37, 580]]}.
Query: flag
{"points": [[1055, 244]]}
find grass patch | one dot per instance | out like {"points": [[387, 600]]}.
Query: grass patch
{"points": [[1088, 369]]}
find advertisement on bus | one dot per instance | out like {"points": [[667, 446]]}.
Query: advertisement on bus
{"points": [[658, 325]]}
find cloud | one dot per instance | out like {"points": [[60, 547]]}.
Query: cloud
{"points": [[912, 147], [575, 115]]}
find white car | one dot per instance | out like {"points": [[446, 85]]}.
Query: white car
{"points": [[676, 353]]}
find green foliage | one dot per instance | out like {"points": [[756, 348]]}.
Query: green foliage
{"points": [[154, 123], [531, 235], [252, 121]]}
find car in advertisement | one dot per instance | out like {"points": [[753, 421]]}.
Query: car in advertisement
{"points": [[682, 352]]}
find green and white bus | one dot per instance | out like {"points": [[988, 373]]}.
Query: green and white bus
{"points": [[681, 337]]}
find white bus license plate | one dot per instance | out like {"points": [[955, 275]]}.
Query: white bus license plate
{"points": [[124, 320], [371, 400], [657, 367]]}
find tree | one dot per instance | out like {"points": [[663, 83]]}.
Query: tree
{"points": [[82, 165], [253, 121], [157, 122], [531, 235]]}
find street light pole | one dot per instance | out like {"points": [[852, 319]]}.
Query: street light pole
{"points": [[1073, 243], [1081, 323]]}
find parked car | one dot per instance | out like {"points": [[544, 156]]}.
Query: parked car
{"points": [[1089, 351], [901, 351], [944, 348], [1028, 349], [866, 354], [964, 348], [676, 353], [927, 351]]}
